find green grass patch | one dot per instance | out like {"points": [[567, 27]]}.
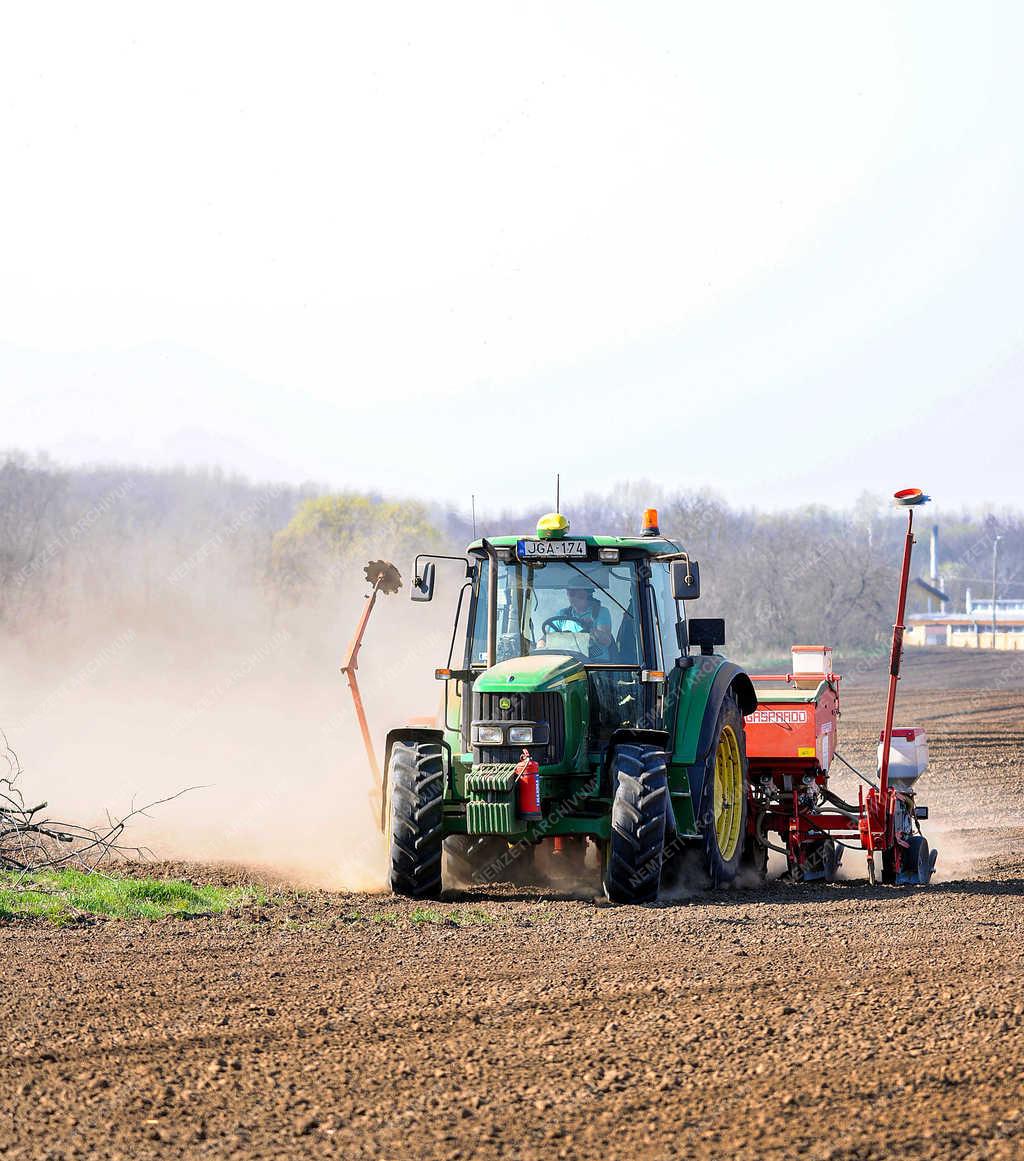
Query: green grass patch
{"points": [[469, 917], [62, 896]]}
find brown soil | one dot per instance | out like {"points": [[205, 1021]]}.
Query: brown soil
{"points": [[824, 1022]]}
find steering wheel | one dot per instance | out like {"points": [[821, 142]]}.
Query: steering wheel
{"points": [[561, 625]]}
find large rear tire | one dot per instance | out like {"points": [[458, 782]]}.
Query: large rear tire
{"points": [[416, 792], [726, 788], [634, 852]]}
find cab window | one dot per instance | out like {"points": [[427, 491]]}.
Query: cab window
{"points": [[666, 614]]}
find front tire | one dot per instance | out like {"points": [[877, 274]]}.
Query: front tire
{"points": [[634, 852], [416, 792]]}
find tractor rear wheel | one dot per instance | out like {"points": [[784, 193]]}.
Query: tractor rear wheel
{"points": [[726, 782], [416, 792], [634, 851]]}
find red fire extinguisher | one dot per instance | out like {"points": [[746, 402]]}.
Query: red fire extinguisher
{"points": [[528, 788]]}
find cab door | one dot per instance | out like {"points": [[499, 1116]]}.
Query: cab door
{"points": [[666, 617], [667, 614]]}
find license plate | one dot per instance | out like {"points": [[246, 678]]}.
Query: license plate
{"points": [[552, 550]]}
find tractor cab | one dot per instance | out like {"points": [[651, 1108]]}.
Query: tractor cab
{"points": [[604, 617]]}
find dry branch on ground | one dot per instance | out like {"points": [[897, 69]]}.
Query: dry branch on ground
{"points": [[31, 841]]}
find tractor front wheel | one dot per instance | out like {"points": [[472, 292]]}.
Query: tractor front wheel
{"points": [[416, 792], [634, 851]]}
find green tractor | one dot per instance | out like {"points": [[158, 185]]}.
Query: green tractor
{"points": [[576, 716]]}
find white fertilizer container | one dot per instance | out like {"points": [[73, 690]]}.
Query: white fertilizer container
{"points": [[811, 664], [908, 756]]}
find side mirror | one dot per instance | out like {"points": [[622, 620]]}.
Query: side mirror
{"points": [[423, 583], [707, 632], [685, 580]]}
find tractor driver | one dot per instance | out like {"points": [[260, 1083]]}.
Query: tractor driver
{"points": [[592, 616]]}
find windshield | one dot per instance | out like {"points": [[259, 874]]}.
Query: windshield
{"points": [[586, 609]]}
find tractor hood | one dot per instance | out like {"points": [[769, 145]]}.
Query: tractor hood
{"points": [[542, 673]]}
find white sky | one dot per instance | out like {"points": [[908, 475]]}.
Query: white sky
{"points": [[774, 249]]}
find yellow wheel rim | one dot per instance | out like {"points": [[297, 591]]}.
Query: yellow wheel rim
{"points": [[728, 793]]}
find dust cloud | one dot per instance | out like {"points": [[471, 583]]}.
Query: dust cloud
{"points": [[238, 698]]}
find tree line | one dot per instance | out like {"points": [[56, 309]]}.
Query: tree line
{"points": [[98, 541]]}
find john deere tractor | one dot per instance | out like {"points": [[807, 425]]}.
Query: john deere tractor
{"points": [[577, 716]]}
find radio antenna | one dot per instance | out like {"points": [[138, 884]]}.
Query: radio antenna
{"points": [[472, 500], [558, 491]]}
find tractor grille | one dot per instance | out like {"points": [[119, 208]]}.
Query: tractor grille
{"points": [[525, 707]]}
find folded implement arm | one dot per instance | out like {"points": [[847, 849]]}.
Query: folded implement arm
{"points": [[384, 578]]}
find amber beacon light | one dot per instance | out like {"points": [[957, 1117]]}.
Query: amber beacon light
{"points": [[649, 527]]}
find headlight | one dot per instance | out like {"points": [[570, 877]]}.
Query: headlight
{"points": [[520, 736], [490, 735]]}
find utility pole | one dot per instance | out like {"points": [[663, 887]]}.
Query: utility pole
{"points": [[995, 562], [934, 554]]}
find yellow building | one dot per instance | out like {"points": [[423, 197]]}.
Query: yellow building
{"points": [[970, 630]]}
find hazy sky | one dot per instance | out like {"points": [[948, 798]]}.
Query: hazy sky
{"points": [[774, 249]]}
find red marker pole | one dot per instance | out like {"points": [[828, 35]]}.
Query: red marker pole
{"points": [[909, 498]]}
